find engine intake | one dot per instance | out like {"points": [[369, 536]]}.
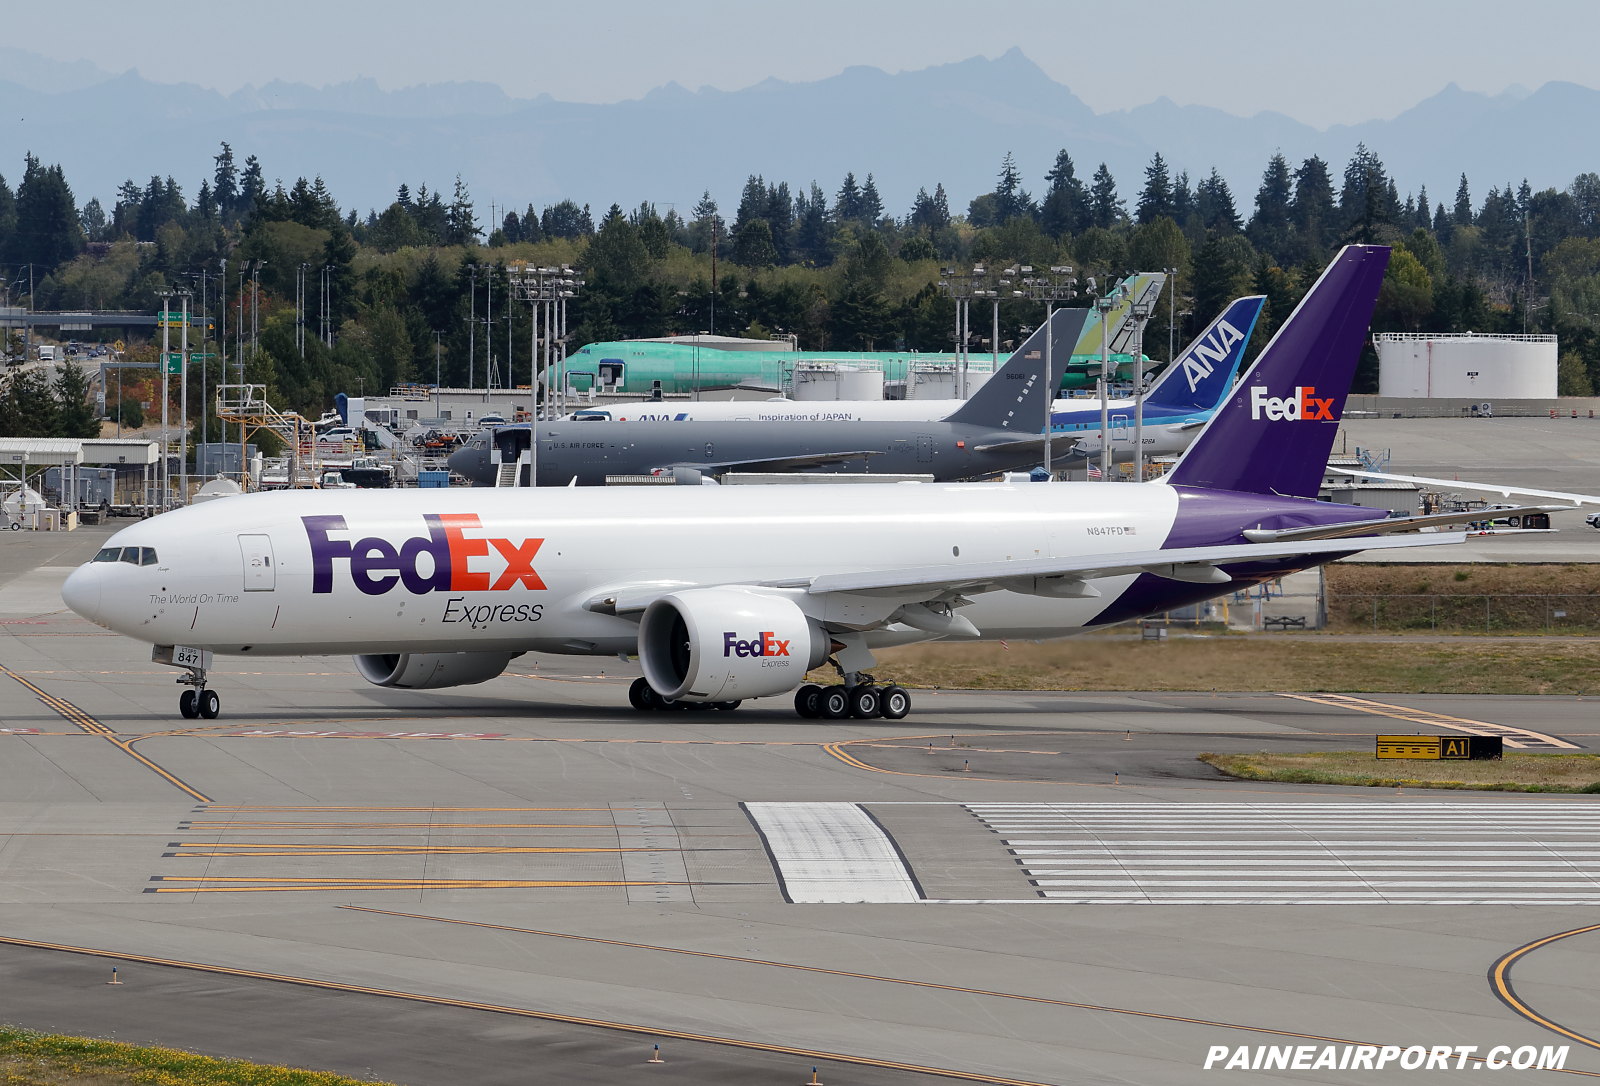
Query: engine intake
{"points": [[432, 670], [726, 644]]}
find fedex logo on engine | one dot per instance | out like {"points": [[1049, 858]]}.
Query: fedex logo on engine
{"points": [[1300, 407], [763, 644], [440, 561]]}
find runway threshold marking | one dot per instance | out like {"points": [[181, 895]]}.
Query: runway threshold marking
{"points": [[1500, 982], [247, 849], [846, 973], [569, 1019], [1514, 737], [92, 726], [243, 884]]}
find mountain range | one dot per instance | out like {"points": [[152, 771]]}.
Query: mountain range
{"points": [[949, 124]]}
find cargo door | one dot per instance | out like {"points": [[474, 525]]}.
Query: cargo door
{"points": [[260, 571]]}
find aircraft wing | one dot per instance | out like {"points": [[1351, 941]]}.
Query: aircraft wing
{"points": [[1390, 526], [1502, 489], [1066, 441], [1181, 564], [779, 463]]}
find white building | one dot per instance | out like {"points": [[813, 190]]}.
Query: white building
{"points": [[1466, 366]]}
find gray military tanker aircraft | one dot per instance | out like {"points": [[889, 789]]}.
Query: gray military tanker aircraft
{"points": [[998, 429]]}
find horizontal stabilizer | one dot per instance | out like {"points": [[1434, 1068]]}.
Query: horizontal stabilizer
{"points": [[1501, 489]]}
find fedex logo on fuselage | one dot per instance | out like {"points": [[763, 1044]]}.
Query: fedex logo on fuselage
{"points": [[377, 565], [1300, 407], [763, 644], [1209, 353]]}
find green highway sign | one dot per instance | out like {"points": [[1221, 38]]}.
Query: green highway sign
{"points": [[195, 355], [174, 362]]}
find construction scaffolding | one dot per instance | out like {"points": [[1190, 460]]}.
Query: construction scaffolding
{"points": [[247, 405]]}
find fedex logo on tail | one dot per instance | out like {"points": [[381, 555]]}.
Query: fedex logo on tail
{"points": [[1300, 407], [440, 561], [763, 644], [1209, 353]]}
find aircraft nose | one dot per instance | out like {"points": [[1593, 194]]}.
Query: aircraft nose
{"points": [[81, 591]]}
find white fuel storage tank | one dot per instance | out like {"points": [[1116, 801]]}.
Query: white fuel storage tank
{"points": [[1466, 366]]}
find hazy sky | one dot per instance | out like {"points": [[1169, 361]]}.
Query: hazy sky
{"points": [[1319, 63]]}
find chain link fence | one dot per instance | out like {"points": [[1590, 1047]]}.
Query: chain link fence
{"points": [[1459, 613]]}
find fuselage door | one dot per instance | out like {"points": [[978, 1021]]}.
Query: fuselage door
{"points": [[924, 449], [1119, 427], [260, 570]]}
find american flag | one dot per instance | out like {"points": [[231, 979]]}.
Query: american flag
{"points": [[1094, 471]]}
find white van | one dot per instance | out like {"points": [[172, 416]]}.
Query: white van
{"points": [[47, 353]]}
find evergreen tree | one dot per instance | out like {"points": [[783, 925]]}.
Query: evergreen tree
{"points": [[226, 189], [1011, 200], [1463, 214], [754, 248], [28, 407], [1156, 200], [932, 212], [47, 232], [706, 225], [1424, 213], [780, 216], [1363, 202], [563, 220], [8, 214], [252, 185], [1269, 226], [1214, 201], [752, 202], [1105, 209], [847, 207], [1441, 221], [93, 220], [461, 225], [74, 416], [531, 230], [871, 203], [1182, 199], [812, 228], [1313, 211], [1066, 202], [1584, 190]]}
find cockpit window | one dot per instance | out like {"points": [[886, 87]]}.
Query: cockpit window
{"points": [[149, 558], [130, 555], [109, 554]]}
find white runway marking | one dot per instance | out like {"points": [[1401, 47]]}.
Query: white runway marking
{"points": [[1303, 853], [832, 852]]}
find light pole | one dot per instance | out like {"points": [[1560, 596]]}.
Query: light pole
{"points": [[1139, 312], [438, 352], [472, 328], [962, 287], [1057, 286], [1104, 305], [166, 312], [183, 402]]}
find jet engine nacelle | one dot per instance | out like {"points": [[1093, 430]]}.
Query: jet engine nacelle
{"points": [[432, 670], [726, 644]]}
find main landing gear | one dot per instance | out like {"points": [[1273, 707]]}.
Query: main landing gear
{"points": [[644, 698], [861, 698], [198, 701]]}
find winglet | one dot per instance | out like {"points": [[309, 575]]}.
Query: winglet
{"points": [[1275, 431]]}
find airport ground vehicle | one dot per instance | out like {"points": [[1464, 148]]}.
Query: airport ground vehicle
{"points": [[727, 594]]}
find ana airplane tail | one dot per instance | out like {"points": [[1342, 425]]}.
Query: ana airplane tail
{"points": [[1016, 398], [1203, 374], [1274, 433]]}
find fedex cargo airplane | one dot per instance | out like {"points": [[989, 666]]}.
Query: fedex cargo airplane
{"points": [[727, 594], [994, 431]]}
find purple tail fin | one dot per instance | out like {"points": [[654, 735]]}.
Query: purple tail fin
{"points": [[1274, 433]]}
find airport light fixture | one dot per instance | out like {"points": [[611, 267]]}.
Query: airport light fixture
{"points": [[547, 290], [1056, 286], [1140, 313], [962, 287]]}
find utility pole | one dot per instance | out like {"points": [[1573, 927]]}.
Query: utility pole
{"points": [[488, 339], [713, 276], [438, 367], [1527, 309], [1172, 313], [472, 329]]}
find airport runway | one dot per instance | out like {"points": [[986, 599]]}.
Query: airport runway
{"points": [[527, 877]]}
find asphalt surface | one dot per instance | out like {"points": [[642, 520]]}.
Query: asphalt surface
{"points": [[527, 878]]}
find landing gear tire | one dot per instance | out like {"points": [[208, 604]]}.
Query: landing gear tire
{"points": [[725, 706], [805, 701], [833, 703], [640, 696], [866, 702], [186, 705], [698, 706], [670, 705], [209, 704], [894, 702]]}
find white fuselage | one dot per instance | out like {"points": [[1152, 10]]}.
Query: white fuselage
{"points": [[241, 576]]}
